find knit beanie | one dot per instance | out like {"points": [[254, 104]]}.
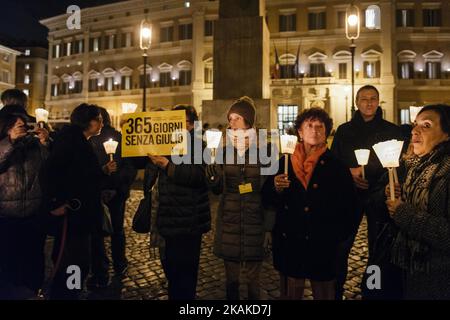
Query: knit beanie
{"points": [[245, 107]]}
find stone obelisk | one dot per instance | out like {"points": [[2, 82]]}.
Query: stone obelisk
{"points": [[241, 60]]}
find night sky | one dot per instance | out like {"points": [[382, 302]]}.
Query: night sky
{"points": [[19, 22]]}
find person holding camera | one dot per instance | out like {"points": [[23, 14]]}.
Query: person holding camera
{"points": [[22, 233]]}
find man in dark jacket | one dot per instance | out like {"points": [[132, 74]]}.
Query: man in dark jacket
{"points": [[116, 189], [72, 181], [366, 128], [183, 215], [22, 232]]}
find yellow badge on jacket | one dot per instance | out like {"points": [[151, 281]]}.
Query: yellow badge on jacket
{"points": [[245, 188]]}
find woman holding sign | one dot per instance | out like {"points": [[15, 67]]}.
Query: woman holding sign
{"points": [[243, 226], [316, 208], [421, 211]]}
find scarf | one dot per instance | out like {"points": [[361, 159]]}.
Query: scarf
{"points": [[408, 253], [304, 165]]}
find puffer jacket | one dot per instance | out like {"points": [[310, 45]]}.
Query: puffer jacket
{"points": [[20, 190], [242, 221]]}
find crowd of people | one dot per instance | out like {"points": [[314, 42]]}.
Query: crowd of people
{"points": [[308, 213]]}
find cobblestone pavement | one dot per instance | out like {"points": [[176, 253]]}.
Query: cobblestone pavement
{"points": [[145, 278]]}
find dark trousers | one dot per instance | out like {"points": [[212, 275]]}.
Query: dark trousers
{"points": [[100, 261], [21, 257], [182, 260], [232, 274], [343, 251], [76, 253]]}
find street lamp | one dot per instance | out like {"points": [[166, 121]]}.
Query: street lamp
{"points": [[352, 27], [145, 43]]}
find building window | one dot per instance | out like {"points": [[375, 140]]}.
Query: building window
{"points": [[65, 88], [78, 86], [111, 41], [286, 117], [371, 69], [341, 19], [185, 31], [433, 70], [109, 84], [317, 70], [167, 34], [165, 79], [27, 79], [317, 20], [405, 18], [93, 84], [404, 116], [27, 66], [26, 91], [373, 19], [54, 90], [126, 83], [141, 80], [185, 77], [56, 50], [79, 46], [288, 22], [209, 28], [343, 70], [127, 39], [405, 70], [431, 17], [68, 48], [209, 75], [95, 44], [27, 52]]}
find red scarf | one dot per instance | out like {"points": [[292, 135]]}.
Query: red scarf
{"points": [[304, 166]]}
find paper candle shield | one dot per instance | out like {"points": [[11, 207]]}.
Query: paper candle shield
{"points": [[213, 139], [362, 156], [389, 152], [129, 107], [110, 146], [288, 143], [41, 115], [413, 111]]}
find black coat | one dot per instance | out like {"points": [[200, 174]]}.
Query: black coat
{"points": [[183, 198], [310, 223], [358, 134], [20, 190], [122, 179], [72, 171]]}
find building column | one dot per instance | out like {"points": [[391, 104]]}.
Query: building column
{"points": [[198, 74], [387, 59], [86, 65], [48, 91]]}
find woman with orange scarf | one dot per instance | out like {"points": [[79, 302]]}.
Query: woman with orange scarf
{"points": [[316, 208]]}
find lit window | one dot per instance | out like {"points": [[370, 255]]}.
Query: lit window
{"points": [[26, 91], [96, 44], [286, 117], [27, 79], [69, 47], [404, 116], [187, 4], [27, 66], [373, 17], [27, 52]]}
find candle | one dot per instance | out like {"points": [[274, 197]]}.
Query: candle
{"points": [[213, 138], [41, 116], [110, 148], [288, 143], [362, 156]]}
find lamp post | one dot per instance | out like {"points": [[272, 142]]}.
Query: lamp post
{"points": [[145, 43], [352, 27]]}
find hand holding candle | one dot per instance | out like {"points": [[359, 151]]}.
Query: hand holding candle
{"points": [[288, 144], [213, 139]]}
